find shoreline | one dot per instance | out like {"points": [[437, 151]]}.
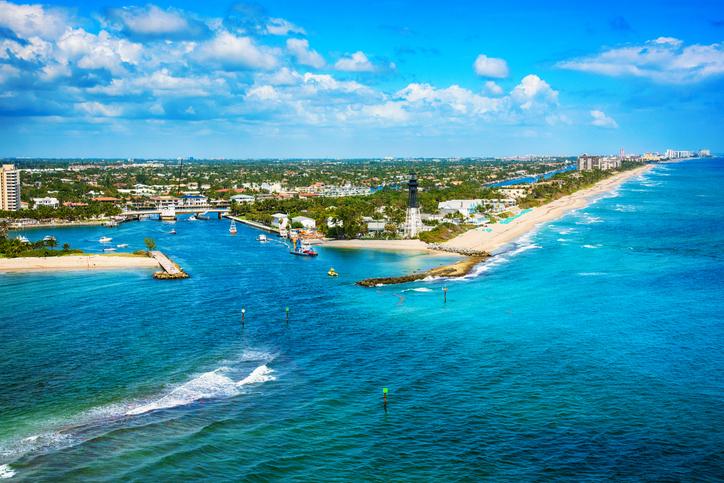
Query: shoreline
{"points": [[416, 245], [502, 234], [76, 262], [458, 269]]}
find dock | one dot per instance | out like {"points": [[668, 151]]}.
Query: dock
{"points": [[253, 223], [171, 270]]}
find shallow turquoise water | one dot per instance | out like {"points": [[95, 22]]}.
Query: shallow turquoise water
{"points": [[590, 350]]}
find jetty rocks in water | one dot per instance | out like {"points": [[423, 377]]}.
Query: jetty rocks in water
{"points": [[458, 269], [468, 252]]}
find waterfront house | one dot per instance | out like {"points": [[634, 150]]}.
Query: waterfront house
{"points": [[47, 201], [308, 223], [279, 220], [193, 200], [242, 198]]}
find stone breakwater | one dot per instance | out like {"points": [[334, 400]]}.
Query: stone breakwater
{"points": [[458, 269], [468, 252]]}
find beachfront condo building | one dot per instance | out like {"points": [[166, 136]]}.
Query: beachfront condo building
{"points": [[589, 163], [9, 188]]}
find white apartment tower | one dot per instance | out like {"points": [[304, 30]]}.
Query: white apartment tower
{"points": [[9, 188]]}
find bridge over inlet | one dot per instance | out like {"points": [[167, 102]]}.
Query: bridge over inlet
{"points": [[181, 210]]}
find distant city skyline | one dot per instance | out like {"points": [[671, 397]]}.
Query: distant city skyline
{"points": [[281, 79]]}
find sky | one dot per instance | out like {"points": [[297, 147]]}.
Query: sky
{"points": [[331, 79]]}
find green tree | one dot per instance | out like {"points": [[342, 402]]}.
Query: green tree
{"points": [[66, 247], [150, 244]]}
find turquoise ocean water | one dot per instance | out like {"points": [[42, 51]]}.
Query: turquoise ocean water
{"points": [[589, 350]]}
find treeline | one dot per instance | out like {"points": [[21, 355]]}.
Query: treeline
{"points": [[93, 210]]}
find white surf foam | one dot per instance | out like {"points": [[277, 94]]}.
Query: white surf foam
{"points": [[260, 374], [562, 240], [421, 289], [6, 472], [207, 386], [592, 273], [589, 246]]}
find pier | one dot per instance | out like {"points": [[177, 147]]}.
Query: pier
{"points": [[171, 270], [183, 210], [253, 223]]}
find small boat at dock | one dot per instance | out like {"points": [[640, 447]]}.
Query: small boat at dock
{"points": [[304, 249]]}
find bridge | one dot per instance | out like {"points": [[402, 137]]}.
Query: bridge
{"points": [[180, 210]]}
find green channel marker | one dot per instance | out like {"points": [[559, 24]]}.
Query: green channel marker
{"points": [[384, 390]]}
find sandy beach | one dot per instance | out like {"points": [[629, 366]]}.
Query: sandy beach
{"points": [[501, 234], [76, 262]]}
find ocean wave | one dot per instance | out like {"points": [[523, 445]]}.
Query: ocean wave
{"points": [[6, 472], [211, 385], [589, 246], [562, 240], [592, 273], [420, 289]]}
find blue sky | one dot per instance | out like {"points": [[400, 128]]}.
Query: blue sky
{"points": [[344, 79]]}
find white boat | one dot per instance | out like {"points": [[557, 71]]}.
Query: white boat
{"points": [[48, 238], [109, 249], [232, 228], [122, 245], [261, 238], [192, 218], [168, 213], [23, 239], [105, 239]]}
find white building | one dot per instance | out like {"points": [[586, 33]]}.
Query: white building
{"points": [[279, 220], [308, 223], [193, 200], [242, 198], [47, 201], [465, 207]]}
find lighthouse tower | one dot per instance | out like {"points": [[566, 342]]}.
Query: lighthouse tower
{"points": [[413, 222]]}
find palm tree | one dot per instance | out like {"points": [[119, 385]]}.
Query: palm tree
{"points": [[66, 247], [52, 243], [150, 244]]}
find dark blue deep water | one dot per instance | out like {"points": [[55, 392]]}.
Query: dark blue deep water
{"points": [[590, 350]]}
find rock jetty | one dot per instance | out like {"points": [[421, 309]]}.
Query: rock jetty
{"points": [[458, 269], [468, 252]]}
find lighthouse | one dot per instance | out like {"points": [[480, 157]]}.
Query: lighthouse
{"points": [[413, 222]]}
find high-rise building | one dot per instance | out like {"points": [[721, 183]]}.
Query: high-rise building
{"points": [[9, 188], [621, 156]]}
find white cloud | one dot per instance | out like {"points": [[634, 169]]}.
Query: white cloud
{"points": [[263, 92], [96, 109], [357, 62], [235, 53], [663, 60], [461, 100], [279, 26], [153, 23], [299, 48], [600, 119], [494, 88], [190, 110], [32, 20], [490, 67], [532, 91], [389, 111]]}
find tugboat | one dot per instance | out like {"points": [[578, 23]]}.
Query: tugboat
{"points": [[304, 249]]}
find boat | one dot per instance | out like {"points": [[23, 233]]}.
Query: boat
{"points": [[122, 245], [232, 228], [109, 249], [105, 239], [261, 238], [203, 216], [23, 239], [168, 213], [282, 232], [172, 232], [332, 273], [304, 249], [192, 218], [48, 238]]}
